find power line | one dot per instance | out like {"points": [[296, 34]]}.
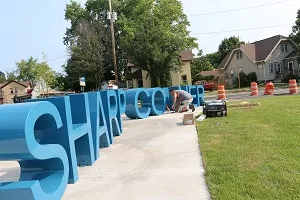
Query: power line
{"points": [[246, 29], [239, 9]]}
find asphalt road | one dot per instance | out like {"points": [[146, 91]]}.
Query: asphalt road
{"points": [[246, 95]]}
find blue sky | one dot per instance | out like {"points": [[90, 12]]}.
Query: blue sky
{"points": [[31, 27]]}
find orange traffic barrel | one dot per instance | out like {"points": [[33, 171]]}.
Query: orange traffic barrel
{"points": [[269, 89], [254, 89], [293, 86], [221, 92]]}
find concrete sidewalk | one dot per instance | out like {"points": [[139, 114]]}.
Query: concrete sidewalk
{"points": [[156, 158]]}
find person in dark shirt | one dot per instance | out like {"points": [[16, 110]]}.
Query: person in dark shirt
{"points": [[182, 101]]}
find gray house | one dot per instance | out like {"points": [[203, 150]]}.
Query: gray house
{"points": [[270, 59]]}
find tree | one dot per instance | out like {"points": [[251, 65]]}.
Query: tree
{"points": [[227, 45], [89, 42], [87, 56], [153, 35], [32, 70], [2, 77], [11, 76], [214, 59], [200, 63], [295, 35]]}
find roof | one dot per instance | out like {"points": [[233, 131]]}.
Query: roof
{"points": [[256, 51], [135, 75], [292, 55], [210, 73], [24, 83], [186, 55]]}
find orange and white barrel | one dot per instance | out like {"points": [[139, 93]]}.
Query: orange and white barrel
{"points": [[254, 89], [221, 92], [269, 89], [293, 86]]}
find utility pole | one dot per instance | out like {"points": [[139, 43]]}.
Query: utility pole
{"points": [[111, 17]]}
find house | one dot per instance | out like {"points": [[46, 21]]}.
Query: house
{"points": [[138, 78], [271, 59], [12, 89]]}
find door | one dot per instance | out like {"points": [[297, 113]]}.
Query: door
{"points": [[291, 67]]}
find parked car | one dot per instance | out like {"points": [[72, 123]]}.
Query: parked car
{"points": [[207, 86]]}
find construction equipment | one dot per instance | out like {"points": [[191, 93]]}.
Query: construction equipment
{"points": [[216, 108]]}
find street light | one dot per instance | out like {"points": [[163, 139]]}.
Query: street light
{"points": [[112, 16]]}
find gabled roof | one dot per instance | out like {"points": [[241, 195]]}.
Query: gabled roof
{"points": [[256, 51], [2, 85]]}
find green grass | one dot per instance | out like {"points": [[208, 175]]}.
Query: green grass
{"points": [[254, 153]]}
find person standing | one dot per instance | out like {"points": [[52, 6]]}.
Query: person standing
{"points": [[182, 101]]}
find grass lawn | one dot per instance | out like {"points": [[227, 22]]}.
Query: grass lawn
{"points": [[254, 153]]}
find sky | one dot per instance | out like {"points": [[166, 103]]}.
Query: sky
{"points": [[33, 27]]}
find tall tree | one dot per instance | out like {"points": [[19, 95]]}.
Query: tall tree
{"points": [[214, 58], [199, 64], [295, 35], [153, 35], [227, 45], [87, 56], [11, 76], [2, 77], [32, 70], [89, 42]]}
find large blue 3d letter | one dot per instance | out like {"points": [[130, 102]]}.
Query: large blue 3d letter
{"points": [[98, 123], [28, 134], [156, 101], [200, 95], [76, 134], [193, 91], [121, 106], [133, 110], [110, 105]]}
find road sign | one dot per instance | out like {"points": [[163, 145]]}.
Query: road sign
{"points": [[82, 81]]}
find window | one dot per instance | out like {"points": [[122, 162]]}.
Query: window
{"points": [[183, 78], [271, 68], [12, 90], [284, 48], [231, 73], [239, 55], [277, 67]]}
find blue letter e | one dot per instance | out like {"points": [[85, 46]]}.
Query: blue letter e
{"points": [[28, 135]]}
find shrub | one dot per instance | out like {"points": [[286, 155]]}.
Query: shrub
{"points": [[252, 77], [288, 77], [243, 80]]}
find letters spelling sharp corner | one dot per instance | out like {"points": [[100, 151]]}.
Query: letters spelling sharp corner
{"points": [[51, 137]]}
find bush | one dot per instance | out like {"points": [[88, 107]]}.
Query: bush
{"points": [[243, 80], [288, 77], [252, 77]]}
